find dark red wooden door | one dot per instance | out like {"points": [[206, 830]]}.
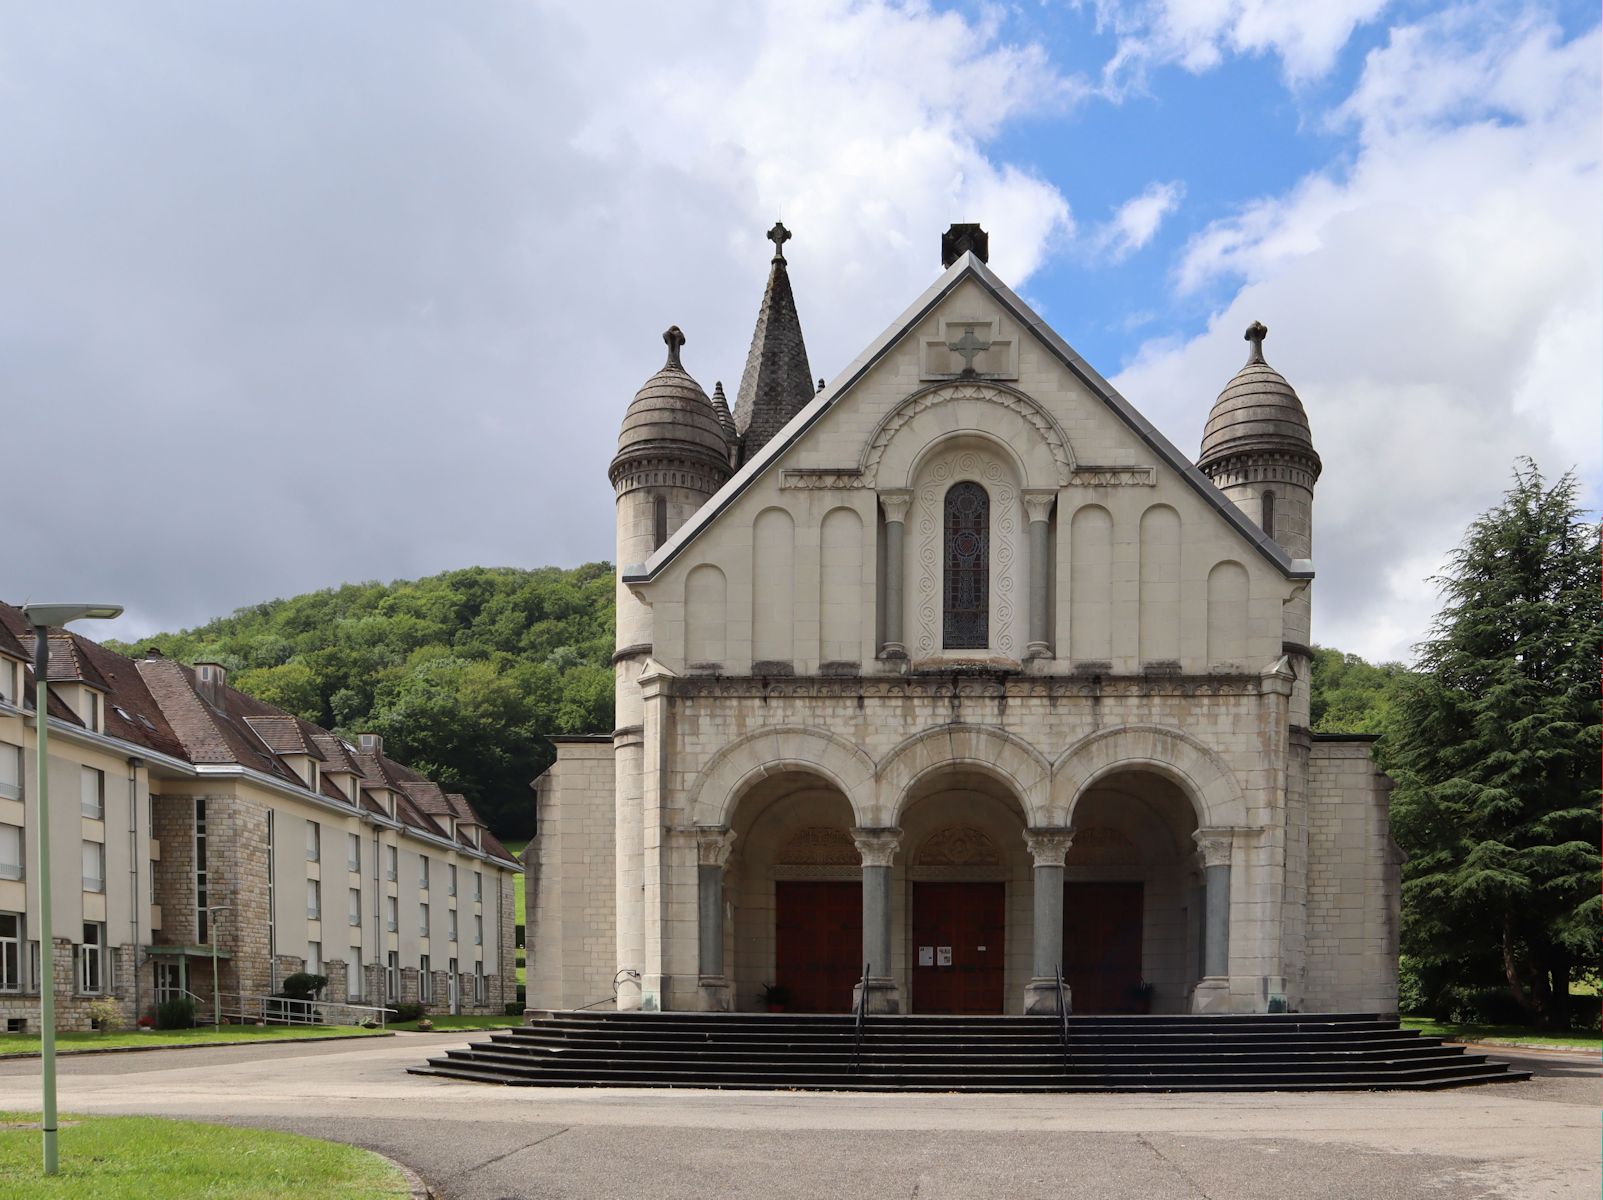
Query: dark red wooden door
{"points": [[1102, 945], [971, 920], [818, 943]]}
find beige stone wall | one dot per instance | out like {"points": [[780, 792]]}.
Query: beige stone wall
{"points": [[570, 943], [1353, 883]]}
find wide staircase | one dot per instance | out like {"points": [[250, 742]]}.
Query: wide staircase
{"points": [[1293, 1052]]}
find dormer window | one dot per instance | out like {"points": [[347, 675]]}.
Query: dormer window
{"points": [[8, 681], [91, 710]]}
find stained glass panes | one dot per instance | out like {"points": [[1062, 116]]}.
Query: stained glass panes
{"points": [[968, 567]]}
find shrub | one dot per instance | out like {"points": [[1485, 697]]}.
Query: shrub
{"points": [[523, 996], [106, 1014], [407, 1012], [513, 1009], [176, 1014], [302, 986]]}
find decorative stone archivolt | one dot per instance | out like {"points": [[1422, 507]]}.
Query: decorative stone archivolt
{"points": [[1002, 756], [774, 750], [1004, 397], [958, 846], [1100, 846], [1089, 476], [818, 846], [936, 478], [1204, 777]]}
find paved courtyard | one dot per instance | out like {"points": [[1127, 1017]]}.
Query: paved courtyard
{"points": [[1534, 1140]]}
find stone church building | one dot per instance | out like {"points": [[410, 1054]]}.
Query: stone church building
{"points": [[953, 673]]}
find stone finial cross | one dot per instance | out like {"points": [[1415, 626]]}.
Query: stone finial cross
{"points": [[1256, 332], [779, 235], [968, 346], [675, 339]]}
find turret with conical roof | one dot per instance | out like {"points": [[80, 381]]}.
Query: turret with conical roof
{"points": [[1258, 450], [777, 382]]}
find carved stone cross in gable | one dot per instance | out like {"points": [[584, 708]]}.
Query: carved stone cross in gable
{"points": [[968, 346]]}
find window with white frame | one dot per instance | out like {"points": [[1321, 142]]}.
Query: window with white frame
{"points": [[92, 960], [478, 983], [478, 930], [392, 913], [10, 771], [169, 981], [202, 917], [94, 867], [423, 920], [92, 792], [8, 681], [423, 872], [450, 880], [314, 900], [90, 709], [355, 906], [314, 958], [353, 974], [10, 948], [10, 851], [425, 981], [314, 842], [478, 886], [392, 977], [450, 926], [392, 863], [353, 851]]}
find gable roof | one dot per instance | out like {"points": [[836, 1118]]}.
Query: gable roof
{"points": [[969, 266]]}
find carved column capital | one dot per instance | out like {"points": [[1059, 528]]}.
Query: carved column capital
{"points": [[1214, 845], [1049, 845], [877, 846], [895, 502], [713, 845], [1038, 503]]}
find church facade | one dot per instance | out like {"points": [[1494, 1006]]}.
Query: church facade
{"points": [[953, 675]]}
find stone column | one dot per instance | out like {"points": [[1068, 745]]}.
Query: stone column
{"points": [[877, 847], [1048, 847], [1213, 990], [712, 857], [895, 504], [1038, 507]]}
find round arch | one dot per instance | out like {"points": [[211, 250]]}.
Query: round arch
{"points": [[1036, 440], [1003, 756], [774, 750], [1201, 774]]}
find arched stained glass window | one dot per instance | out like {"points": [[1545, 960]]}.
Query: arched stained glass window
{"points": [[968, 567]]}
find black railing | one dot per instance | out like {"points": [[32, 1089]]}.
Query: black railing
{"points": [[862, 1014], [1063, 1015]]}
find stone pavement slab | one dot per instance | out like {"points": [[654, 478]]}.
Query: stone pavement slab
{"points": [[1526, 1141]]}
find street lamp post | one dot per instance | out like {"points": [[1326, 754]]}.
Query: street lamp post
{"points": [[211, 936], [42, 617]]}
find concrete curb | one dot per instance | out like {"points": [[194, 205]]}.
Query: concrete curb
{"points": [[420, 1190], [12, 1056], [1544, 1049]]}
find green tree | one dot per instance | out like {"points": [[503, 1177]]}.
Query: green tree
{"points": [[1349, 695], [1494, 746]]}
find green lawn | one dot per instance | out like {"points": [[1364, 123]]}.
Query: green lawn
{"points": [[134, 1158], [67, 1043], [1504, 1034], [447, 1023], [516, 849]]}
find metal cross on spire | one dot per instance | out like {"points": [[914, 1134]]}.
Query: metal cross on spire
{"points": [[968, 346], [779, 235], [1256, 332]]}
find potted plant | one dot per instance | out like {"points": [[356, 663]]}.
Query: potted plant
{"points": [[1141, 996], [776, 996]]}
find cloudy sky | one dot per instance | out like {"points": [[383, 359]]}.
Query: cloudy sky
{"points": [[300, 293]]}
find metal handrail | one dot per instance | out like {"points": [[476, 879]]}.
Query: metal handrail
{"points": [[288, 1010], [862, 1014], [1063, 1015]]}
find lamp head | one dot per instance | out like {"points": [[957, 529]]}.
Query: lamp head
{"points": [[59, 614]]}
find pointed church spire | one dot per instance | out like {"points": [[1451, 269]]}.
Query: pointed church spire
{"points": [[720, 405], [777, 382]]}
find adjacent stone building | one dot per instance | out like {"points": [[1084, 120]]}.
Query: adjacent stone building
{"points": [[954, 675], [207, 821]]}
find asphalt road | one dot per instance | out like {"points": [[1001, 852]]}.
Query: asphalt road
{"points": [[1535, 1140]]}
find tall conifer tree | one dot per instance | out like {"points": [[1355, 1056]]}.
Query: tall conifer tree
{"points": [[1495, 748]]}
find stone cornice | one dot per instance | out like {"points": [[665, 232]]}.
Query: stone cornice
{"points": [[945, 685]]}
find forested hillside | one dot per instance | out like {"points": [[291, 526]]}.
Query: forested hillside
{"points": [[465, 673]]}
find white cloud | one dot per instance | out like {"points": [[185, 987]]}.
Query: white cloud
{"points": [[1198, 34], [1437, 305], [1137, 220]]}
